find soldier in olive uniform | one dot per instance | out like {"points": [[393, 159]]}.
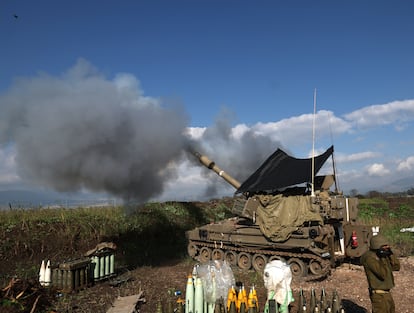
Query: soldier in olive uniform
{"points": [[379, 262]]}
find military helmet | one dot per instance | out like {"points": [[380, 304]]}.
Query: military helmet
{"points": [[377, 242]]}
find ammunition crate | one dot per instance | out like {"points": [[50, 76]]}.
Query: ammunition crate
{"points": [[72, 275]]}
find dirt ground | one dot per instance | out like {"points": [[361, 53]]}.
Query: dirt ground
{"points": [[159, 284]]}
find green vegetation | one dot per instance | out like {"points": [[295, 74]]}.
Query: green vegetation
{"points": [[146, 234], [392, 215]]}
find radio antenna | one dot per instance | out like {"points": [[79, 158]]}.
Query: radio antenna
{"points": [[313, 144], [337, 189]]}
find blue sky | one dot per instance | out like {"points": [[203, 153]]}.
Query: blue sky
{"points": [[251, 66]]}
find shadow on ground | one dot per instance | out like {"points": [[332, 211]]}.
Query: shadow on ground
{"points": [[352, 307]]}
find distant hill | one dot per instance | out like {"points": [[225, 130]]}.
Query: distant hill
{"points": [[400, 185], [33, 199], [24, 196]]}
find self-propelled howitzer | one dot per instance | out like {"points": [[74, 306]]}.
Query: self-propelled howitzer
{"points": [[276, 218]]}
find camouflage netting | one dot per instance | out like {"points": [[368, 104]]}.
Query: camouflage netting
{"points": [[279, 216]]}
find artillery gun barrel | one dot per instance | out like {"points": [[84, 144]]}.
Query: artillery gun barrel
{"points": [[212, 166]]}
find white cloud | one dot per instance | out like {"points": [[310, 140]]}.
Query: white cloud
{"points": [[396, 112], [239, 130], [377, 169], [357, 157], [406, 165], [195, 132], [298, 129]]}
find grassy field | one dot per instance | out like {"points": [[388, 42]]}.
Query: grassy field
{"points": [[147, 234], [392, 215]]}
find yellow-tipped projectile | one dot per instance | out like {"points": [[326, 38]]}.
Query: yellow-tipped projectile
{"points": [[232, 307], [243, 308], [252, 300], [180, 305], [241, 298], [231, 297]]}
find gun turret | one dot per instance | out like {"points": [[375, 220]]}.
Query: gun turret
{"points": [[212, 166], [322, 232]]}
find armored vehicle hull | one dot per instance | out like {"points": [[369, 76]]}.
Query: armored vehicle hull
{"points": [[311, 232]]}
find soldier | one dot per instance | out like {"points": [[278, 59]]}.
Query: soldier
{"points": [[379, 262]]}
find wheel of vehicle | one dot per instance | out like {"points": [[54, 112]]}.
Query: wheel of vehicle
{"points": [[205, 255], [276, 257], [192, 249], [315, 267], [259, 262], [231, 257], [297, 267], [217, 254], [244, 261]]}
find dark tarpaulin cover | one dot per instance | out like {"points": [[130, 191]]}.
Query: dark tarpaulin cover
{"points": [[281, 170]]}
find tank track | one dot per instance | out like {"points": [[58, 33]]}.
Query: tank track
{"points": [[325, 263]]}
